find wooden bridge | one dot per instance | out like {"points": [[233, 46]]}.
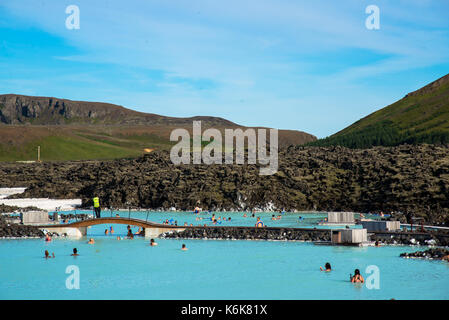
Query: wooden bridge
{"points": [[79, 228]]}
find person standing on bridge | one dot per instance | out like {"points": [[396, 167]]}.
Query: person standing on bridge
{"points": [[97, 208], [259, 223]]}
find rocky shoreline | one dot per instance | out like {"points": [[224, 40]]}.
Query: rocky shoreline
{"points": [[250, 233], [71, 216], [432, 253], [13, 230], [8, 209], [299, 234], [439, 238]]}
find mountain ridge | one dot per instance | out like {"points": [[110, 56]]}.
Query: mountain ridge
{"points": [[22, 109]]}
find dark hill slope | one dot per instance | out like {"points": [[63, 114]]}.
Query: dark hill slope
{"points": [[19, 109]]}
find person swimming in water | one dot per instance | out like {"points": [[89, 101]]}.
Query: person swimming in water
{"points": [[75, 252], [327, 267], [47, 255], [91, 241], [259, 223], [106, 232], [184, 247], [357, 278], [47, 237], [153, 243], [111, 230]]}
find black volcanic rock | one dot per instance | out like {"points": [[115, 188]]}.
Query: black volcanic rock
{"points": [[12, 230], [433, 253], [9, 209], [411, 181], [248, 233]]}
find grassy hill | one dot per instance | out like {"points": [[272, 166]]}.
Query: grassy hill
{"points": [[100, 142], [80, 130], [20, 143], [421, 116]]}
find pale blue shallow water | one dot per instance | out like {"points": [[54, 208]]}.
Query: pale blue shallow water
{"points": [[309, 219], [211, 269]]}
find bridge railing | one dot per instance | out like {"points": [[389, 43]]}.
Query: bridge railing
{"points": [[104, 214], [130, 208]]}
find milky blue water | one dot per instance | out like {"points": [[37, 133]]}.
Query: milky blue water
{"points": [[298, 220], [212, 269]]}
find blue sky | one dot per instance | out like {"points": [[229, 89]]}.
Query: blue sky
{"points": [[303, 65]]}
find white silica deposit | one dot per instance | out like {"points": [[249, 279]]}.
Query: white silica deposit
{"points": [[41, 203], [6, 192]]}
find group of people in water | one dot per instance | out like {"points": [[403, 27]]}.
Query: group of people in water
{"points": [[219, 220], [356, 278], [48, 256], [212, 219], [92, 241], [109, 231], [129, 235]]}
